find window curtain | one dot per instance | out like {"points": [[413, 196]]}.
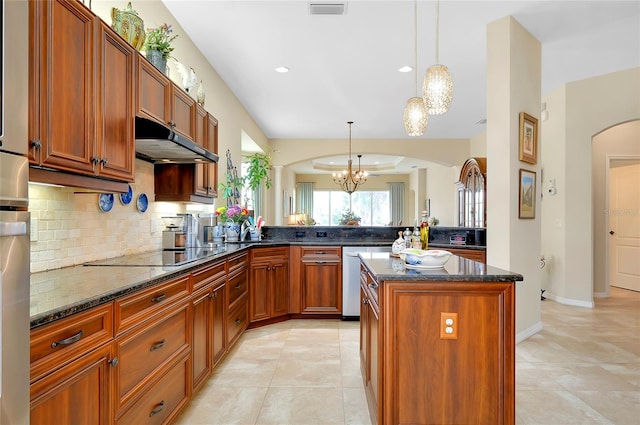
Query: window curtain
{"points": [[305, 198], [396, 201]]}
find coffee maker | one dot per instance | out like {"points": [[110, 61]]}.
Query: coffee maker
{"points": [[173, 236]]}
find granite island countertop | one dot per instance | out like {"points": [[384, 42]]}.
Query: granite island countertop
{"points": [[383, 267]]}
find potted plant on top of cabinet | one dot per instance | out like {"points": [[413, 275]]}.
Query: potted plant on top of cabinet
{"points": [[157, 46]]}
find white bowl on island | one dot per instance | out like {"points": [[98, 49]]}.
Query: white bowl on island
{"points": [[420, 258]]}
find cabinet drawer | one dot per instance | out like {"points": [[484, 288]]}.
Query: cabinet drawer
{"points": [[238, 320], [314, 251], [369, 285], [258, 254], [237, 286], [163, 401], [135, 308], [237, 262], [145, 350], [54, 345], [206, 275]]}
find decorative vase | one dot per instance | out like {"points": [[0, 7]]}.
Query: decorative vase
{"points": [[156, 59], [233, 231], [129, 26]]}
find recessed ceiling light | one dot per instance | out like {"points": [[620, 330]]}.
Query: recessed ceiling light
{"points": [[282, 69], [405, 68]]}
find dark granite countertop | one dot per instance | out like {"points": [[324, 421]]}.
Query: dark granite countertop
{"points": [[58, 293], [458, 269]]}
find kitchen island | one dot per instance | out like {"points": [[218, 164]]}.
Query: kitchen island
{"points": [[437, 345]]}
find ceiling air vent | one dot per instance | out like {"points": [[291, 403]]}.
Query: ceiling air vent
{"points": [[327, 8]]}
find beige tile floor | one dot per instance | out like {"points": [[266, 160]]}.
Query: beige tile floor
{"points": [[582, 368]]}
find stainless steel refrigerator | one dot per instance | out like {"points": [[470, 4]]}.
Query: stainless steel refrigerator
{"points": [[14, 217]]}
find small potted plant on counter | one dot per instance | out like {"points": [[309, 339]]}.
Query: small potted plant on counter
{"points": [[349, 218]]}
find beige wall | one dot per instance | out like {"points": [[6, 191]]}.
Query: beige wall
{"points": [[621, 141], [513, 84], [590, 106]]}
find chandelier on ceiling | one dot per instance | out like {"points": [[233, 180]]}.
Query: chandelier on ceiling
{"points": [[415, 113], [349, 180], [437, 89]]}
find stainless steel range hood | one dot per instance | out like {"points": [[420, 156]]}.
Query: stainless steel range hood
{"points": [[161, 145]]}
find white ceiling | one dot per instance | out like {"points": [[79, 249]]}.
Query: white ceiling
{"points": [[346, 67]]}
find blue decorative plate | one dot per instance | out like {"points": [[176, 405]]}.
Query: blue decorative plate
{"points": [[126, 198], [142, 203], [105, 201]]}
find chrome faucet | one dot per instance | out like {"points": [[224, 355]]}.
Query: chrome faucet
{"points": [[244, 229]]}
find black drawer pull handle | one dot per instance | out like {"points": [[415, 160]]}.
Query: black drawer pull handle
{"points": [[373, 285], [68, 341], [238, 321], [321, 262], [159, 298], [238, 286], [157, 346], [158, 409]]}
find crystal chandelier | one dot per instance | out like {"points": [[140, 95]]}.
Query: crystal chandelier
{"points": [[437, 89], [349, 180], [415, 113]]}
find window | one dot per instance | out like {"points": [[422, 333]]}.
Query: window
{"points": [[372, 207]]}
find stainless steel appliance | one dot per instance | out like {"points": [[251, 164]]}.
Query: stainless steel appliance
{"points": [[174, 236], [351, 278], [14, 218]]}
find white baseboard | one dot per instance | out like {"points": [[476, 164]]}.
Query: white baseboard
{"points": [[604, 294], [532, 330], [569, 301]]}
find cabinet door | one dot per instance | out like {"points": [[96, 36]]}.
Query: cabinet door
{"points": [[279, 288], [116, 85], [211, 170], [202, 121], [321, 287], [183, 113], [372, 381], [259, 291], [219, 316], [154, 93], [79, 393], [63, 35], [364, 334], [201, 355]]}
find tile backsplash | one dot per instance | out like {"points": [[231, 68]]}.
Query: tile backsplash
{"points": [[68, 227]]}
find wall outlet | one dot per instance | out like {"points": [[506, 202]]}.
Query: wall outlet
{"points": [[448, 325]]}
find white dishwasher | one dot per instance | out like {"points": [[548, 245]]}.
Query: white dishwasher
{"points": [[351, 278]]}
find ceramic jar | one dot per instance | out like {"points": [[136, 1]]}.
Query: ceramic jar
{"points": [[129, 26], [232, 231]]}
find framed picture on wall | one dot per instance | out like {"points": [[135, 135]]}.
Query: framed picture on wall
{"points": [[528, 139], [527, 194]]}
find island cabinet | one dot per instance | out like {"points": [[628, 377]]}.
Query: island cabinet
{"points": [[209, 342], [472, 254], [81, 108], [439, 350], [153, 344], [72, 369], [161, 100], [237, 297], [321, 280], [268, 283]]}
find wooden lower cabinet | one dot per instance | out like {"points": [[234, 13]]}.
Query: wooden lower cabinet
{"points": [[370, 349], [472, 254], [429, 377], [78, 393], [268, 283], [162, 402], [321, 280], [238, 299]]}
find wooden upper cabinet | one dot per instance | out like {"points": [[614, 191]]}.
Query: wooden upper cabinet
{"points": [[154, 93], [116, 113], [81, 93], [183, 113], [201, 170], [62, 104]]}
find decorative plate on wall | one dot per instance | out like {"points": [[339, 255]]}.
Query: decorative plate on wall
{"points": [[105, 201], [126, 198], [142, 203]]}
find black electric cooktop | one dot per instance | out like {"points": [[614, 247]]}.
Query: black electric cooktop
{"points": [[162, 258]]}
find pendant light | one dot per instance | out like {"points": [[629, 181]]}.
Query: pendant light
{"points": [[437, 89], [349, 180], [415, 113]]}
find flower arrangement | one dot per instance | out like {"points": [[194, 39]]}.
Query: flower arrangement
{"points": [[160, 39], [234, 213], [349, 218]]}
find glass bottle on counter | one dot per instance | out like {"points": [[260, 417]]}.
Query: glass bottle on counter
{"points": [[424, 230], [407, 237], [416, 238]]}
